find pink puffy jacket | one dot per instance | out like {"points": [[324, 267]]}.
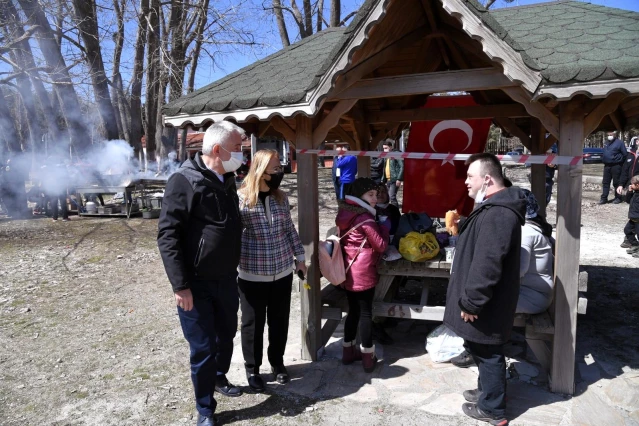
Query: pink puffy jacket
{"points": [[363, 274]]}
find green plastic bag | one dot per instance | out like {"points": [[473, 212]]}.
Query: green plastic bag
{"points": [[418, 247]]}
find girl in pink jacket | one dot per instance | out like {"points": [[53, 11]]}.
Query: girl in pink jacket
{"points": [[363, 247]]}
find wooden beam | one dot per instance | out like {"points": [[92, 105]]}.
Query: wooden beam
{"points": [[370, 64], [512, 128], [538, 171], [569, 190], [433, 25], [263, 128], [608, 106], [631, 104], [363, 166], [535, 109], [308, 218], [437, 82], [382, 134], [618, 120], [346, 137], [454, 113], [283, 128], [331, 120], [550, 140]]}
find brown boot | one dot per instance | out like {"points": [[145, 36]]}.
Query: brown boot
{"points": [[369, 359], [350, 353]]}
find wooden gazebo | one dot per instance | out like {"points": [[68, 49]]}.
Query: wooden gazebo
{"points": [[545, 72]]}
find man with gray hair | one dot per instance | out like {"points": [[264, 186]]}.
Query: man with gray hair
{"points": [[199, 238]]}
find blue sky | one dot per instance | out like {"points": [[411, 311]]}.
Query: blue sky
{"points": [[206, 74]]}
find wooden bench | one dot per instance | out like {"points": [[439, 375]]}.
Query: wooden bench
{"points": [[539, 328]]}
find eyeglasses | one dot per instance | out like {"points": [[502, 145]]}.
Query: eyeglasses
{"points": [[278, 169]]}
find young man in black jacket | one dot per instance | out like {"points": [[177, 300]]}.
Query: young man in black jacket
{"points": [[484, 283], [614, 156], [199, 238]]}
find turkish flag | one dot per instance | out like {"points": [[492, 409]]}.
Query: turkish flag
{"points": [[436, 186]]}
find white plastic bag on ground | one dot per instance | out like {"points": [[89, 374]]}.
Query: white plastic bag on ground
{"points": [[442, 344]]}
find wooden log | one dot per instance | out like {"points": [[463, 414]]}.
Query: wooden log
{"points": [[308, 192], [569, 190]]}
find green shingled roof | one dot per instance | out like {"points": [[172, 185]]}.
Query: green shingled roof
{"points": [[567, 41], [572, 41]]}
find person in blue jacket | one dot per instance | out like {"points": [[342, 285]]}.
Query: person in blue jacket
{"points": [[614, 156], [346, 172]]}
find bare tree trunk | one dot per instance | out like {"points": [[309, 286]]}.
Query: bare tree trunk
{"points": [[299, 19], [320, 15], [59, 74], [336, 13], [199, 39], [136, 82], [9, 132], [117, 95], [281, 25], [87, 22], [178, 50], [308, 17], [152, 79]]}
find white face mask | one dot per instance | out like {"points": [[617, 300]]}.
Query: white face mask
{"points": [[611, 138], [481, 194], [234, 162]]}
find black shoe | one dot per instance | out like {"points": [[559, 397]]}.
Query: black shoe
{"points": [[223, 386], [471, 395], [472, 410], [616, 201], [603, 201], [206, 421], [280, 373], [255, 382], [628, 244], [381, 336], [633, 249], [463, 360]]}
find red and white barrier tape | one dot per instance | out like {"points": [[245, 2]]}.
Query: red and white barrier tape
{"points": [[518, 159]]}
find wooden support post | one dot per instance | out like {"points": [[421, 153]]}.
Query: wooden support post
{"points": [[538, 171], [308, 193], [571, 117], [363, 166]]}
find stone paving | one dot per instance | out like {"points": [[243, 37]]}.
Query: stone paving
{"points": [[406, 380]]}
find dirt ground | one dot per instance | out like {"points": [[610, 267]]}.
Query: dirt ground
{"points": [[89, 333]]}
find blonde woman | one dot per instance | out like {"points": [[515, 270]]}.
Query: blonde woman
{"points": [[271, 251]]}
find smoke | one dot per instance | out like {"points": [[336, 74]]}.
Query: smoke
{"points": [[111, 158]]}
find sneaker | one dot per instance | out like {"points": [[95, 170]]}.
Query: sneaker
{"points": [[602, 201], [636, 254], [65, 219], [616, 201], [472, 410], [463, 360], [632, 250], [471, 395]]}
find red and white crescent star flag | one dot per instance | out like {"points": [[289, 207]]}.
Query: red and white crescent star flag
{"points": [[436, 186]]}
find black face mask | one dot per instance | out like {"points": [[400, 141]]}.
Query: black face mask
{"points": [[276, 179]]}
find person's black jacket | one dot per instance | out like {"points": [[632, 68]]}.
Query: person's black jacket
{"points": [[377, 169], [200, 230], [633, 211], [484, 279], [630, 168], [614, 152]]}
